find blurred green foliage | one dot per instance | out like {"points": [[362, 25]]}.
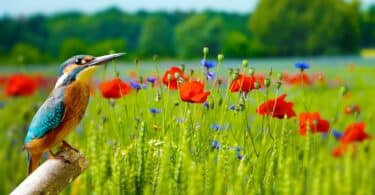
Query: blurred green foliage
{"points": [[281, 28], [301, 27]]}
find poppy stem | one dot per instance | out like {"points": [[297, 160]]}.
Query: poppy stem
{"points": [[251, 136]]}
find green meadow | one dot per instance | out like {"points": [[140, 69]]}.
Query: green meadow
{"points": [[225, 148]]}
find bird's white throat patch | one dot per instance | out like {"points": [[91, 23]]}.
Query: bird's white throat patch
{"points": [[60, 81]]}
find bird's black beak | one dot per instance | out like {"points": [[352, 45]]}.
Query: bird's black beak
{"points": [[104, 59]]}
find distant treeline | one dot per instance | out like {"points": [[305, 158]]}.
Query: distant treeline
{"points": [[275, 28]]}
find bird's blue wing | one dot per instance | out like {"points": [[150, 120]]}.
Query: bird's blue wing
{"points": [[48, 116]]}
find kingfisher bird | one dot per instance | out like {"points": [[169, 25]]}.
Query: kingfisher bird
{"points": [[63, 109]]}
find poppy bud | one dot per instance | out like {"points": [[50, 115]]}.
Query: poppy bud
{"points": [[183, 67], [343, 90], [241, 107], [230, 71], [158, 97], [220, 101], [279, 76], [219, 82], [205, 51], [245, 63], [251, 71], [98, 110], [117, 73], [270, 72], [191, 72], [235, 76], [267, 82], [212, 104], [278, 84], [112, 102], [220, 57], [256, 85]]}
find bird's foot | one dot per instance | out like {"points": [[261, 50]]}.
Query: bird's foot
{"points": [[65, 145], [51, 155]]}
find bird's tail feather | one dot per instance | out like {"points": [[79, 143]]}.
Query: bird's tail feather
{"points": [[33, 161]]}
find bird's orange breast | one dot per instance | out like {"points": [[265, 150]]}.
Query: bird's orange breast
{"points": [[76, 98]]}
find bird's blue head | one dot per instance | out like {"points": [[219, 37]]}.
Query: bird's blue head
{"points": [[81, 67]]}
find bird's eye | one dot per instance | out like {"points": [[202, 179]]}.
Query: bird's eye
{"points": [[78, 61]]}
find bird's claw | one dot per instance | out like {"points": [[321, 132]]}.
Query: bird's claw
{"points": [[65, 146], [60, 158]]}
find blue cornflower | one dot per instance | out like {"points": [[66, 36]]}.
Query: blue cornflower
{"points": [[337, 134], [302, 65], [218, 127], [79, 129], [208, 64], [239, 149], [151, 80], [211, 75], [155, 111], [239, 156], [216, 144], [215, 127], [137, 86], [112, 142], [180, 120], [206, 105], [324, 135], [232, 107], [2, 105]]}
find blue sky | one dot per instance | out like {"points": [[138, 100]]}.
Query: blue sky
{"points": [[27, 7], [17, 7]]}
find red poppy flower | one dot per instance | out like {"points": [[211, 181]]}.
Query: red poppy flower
{"points": [[277, 108], [339, 151], [115, 88], [20, 85], [351, 67], [352, 109], [3, 80], [297, 79], [193, 92], [316, 124], [245, 83], [169, 78], [319, 77], [354, 133]]}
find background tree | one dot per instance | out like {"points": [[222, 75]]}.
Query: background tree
{"points": [[71, 47], [368, 28], [23, 53], [283, 27], [107, 46], [156, 38], [289, 27], [196, 32], [236, 44]]}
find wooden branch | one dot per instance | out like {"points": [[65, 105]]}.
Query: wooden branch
{"points": [[54, 174]]}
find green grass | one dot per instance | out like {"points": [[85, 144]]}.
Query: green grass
{"points": [[132, 151]]}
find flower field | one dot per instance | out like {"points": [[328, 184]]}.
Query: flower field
{"points": [[209, 130]]}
